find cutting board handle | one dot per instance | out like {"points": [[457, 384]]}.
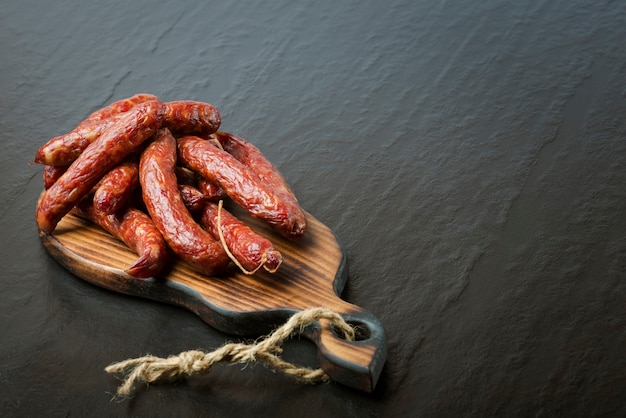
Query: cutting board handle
{"points": [[357, 363]]}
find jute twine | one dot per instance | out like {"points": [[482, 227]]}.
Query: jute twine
{"points": [[150, 369]]}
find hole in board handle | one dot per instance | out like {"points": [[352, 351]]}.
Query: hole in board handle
{"points": [[361, 331]]}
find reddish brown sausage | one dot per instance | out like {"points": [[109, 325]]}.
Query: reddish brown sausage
{"points": [[192, 197], [211, 191], [51, 173], [120, 106], [191, 118], [135, 229], [115, 188], [99, 157], [64, 149], [250, 249], [250, 156], [242, 185], [164, 204]]}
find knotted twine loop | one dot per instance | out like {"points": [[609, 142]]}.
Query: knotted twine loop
{"points": [[150, 369]]}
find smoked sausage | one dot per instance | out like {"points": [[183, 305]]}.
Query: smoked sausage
{"points": [[211, 191], [119, 106], [249, 249], [135, 126], [135, 229], [64, 149], [191, 118], [51, 173], [192, 198], [164, 204], [250, 156], [242, 185], [116, 187]]}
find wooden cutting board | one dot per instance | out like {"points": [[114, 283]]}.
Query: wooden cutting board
{"points": [[313, 274]]}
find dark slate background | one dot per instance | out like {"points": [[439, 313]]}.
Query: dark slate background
{"points": [[469, 155]]}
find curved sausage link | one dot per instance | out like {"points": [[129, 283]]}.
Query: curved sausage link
{"points": [[242, 185], [190, 117], [250, 156], [136, 125], [135, 229], [119, 106], [250, 249], [64, 149], [115, 188], [165, 205], [51, 173]]}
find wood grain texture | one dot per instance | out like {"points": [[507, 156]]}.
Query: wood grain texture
{"points": [[313, 273]]}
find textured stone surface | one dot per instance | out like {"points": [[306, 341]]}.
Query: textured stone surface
{"points": [[469, 156]]}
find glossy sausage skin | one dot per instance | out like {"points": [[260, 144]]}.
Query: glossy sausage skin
{"points": [[166, 208], [192, 197], [242, 185], [250, 156], [136, 125], [135, 229], [191, 118], [211, 191], [116, 187], [120, 106], [64, 149], [251, 249], [51, 173]]}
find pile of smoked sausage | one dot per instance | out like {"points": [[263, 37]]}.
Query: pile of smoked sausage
{"points": [[154, 174]]}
